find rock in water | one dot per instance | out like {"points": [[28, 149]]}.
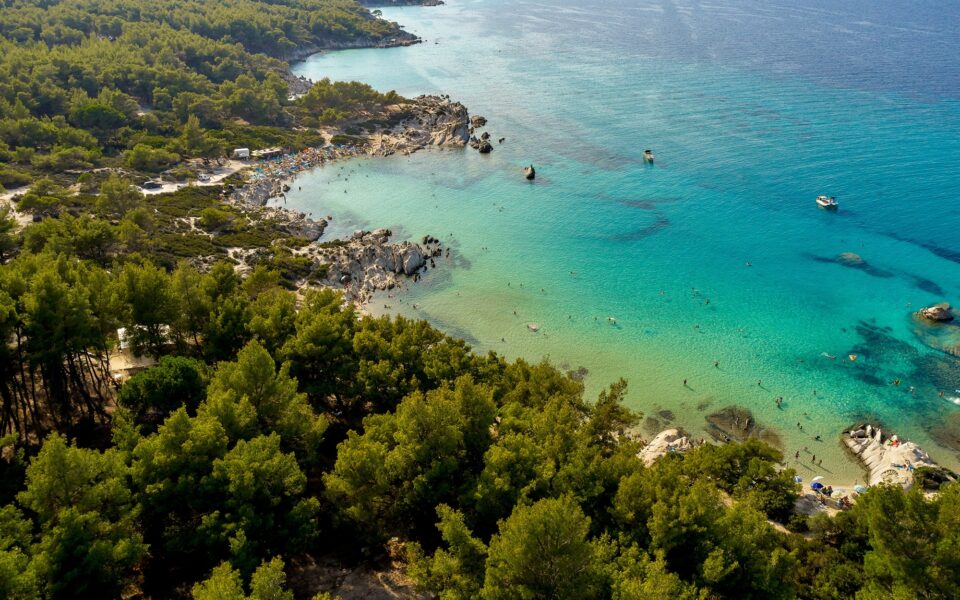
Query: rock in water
{"points": [[850, 259], [529, 172], [478, 121], [411, 258], [485, 136], [938, 312], [485, 147], [737, 423]]}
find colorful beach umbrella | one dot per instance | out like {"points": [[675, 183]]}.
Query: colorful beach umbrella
{"points": [[816, 485]]}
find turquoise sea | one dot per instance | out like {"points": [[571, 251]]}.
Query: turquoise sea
{"points": [[715, 253]]}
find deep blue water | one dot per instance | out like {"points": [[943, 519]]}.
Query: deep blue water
{"points": [[753, 109]]}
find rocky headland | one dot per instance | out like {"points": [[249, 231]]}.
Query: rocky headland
{"points": [[886, 458], [369, 262], [429, 121]]}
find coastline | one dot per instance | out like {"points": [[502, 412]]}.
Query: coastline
{"points": [[367, 262]]}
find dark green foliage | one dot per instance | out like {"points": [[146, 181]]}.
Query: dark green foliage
{"points": [[8, 238], [543, 551], [267, 583], [153, 394], [84, 84], [748, 471], [405, 464], [88, 542]]}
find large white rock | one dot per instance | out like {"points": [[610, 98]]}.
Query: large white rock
{"points": [[668, 440], [885, 462]]}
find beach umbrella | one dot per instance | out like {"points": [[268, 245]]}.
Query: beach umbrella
{"points": [[860, 488], [817, 478], [816, 485], [797, 479]]}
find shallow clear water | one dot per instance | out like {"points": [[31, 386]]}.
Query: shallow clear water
{"points": [[752, 109]]}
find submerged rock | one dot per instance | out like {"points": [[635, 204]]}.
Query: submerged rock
{"points": [[936, 327], [850, 259], [946, 431], [735, 423]]}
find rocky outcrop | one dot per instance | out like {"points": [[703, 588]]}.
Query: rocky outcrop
{"points": [[665, 442], [529, 172], [482, 144], [446, 121], [938, 312], [887, 460], [429, 121], [368, 261], [303, 226], [255, 192]]}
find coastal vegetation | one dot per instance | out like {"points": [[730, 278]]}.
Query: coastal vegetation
{"points": [[267, 428], [143, 85]]}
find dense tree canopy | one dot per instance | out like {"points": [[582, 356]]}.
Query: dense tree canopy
{"points": [[142, 85]]}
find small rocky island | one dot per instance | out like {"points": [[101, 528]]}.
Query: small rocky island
{"points": [[939, 313]]}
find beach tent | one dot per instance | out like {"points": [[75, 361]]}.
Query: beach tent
{"points": [[816, 485], [860, 488]]}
